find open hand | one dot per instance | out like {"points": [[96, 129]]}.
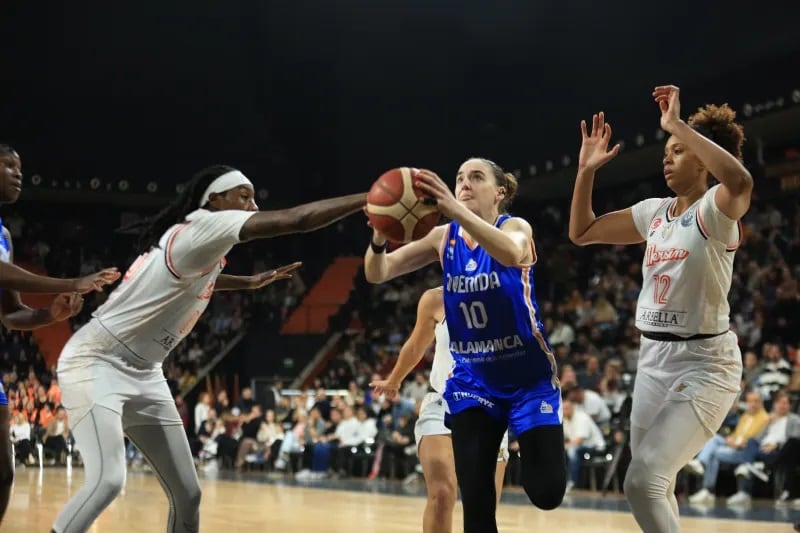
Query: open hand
{"points": [[263, 279], [386, 387], [594, 146]]}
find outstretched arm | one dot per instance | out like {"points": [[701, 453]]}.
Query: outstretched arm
{"points": [[226, 282], [585, 228], [736, 183], [302, 218], [429, 310]]}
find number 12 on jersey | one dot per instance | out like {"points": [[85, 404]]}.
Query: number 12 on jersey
{"points": [[474, 315], [661, 283]]}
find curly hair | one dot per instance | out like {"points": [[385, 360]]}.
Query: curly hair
{"points": [[718, 123]]}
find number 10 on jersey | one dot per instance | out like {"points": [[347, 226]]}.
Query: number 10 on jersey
{"points": [[474, 315]]}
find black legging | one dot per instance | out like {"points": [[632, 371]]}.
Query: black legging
{"points": [[476, 440]]}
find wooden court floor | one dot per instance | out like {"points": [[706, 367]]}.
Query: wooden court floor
{"points": [[234, 506]]}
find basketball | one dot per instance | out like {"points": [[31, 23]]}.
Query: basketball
{"points": [[395, 207]]}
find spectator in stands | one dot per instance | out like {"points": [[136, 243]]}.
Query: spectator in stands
{"points": [[729, 449], [591, 403], [271, 434], [201, 410], [56, 435], [775, 372], [21, 437], [322, 404], [562, 332], [751, 369], [581, 436], [246, 401], [590, 378], [783, 426], [417, 389], [248, 442]]}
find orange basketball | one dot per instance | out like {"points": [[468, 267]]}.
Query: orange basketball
{"points": [[395, 207]]}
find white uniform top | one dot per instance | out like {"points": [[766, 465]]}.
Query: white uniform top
{"points": [[687, 266], [166, 289], [443, 362]]}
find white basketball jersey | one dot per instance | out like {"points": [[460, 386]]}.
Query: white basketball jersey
{"points": [[166, 289], [687, 266], [443, 362]]}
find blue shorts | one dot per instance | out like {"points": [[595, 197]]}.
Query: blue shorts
{"points": [[521, 409], [3, 398]]}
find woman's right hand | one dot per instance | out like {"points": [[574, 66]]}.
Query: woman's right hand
{"points": [[594, 146]]}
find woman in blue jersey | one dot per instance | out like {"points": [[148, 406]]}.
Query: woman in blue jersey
{"points": [[16, 315], [505, 374]]}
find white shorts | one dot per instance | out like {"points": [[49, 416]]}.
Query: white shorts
{"points": [[431, 422], [705, 372], [92, 371]]}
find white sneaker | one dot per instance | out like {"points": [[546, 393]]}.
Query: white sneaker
{"points": [[696, 467], [702, 496], [740, 498], [757, 469], [570, 486], [743, 470], [304, 474]]}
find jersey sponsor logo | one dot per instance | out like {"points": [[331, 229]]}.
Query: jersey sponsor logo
{"points": [[471, 266], [654, 226], [485, 346], [545, 408], [167, 341], [458, 396], [469, 284], [653, 255], [688, 218], [660, 318]]}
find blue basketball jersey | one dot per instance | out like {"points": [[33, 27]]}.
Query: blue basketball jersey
{"points": [[5, 256], [493, 318]]}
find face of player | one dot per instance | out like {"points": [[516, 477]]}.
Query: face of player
{"points": [[10, 178], [240, 198], [683, 171], [477, 188]]}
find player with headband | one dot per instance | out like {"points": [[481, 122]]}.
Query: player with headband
{"points": [[110, 370]]}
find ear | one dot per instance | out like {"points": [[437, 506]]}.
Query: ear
{"points": [[501, 193]]}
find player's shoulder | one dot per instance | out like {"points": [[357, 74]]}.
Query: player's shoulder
{"points": [[431, 300], [514, 223]]}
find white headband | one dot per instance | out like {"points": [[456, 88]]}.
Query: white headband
{"points": [[226, 182]]}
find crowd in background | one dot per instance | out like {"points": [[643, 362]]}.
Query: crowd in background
{"points": [[587, 298]]}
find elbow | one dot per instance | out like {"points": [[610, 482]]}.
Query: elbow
{"points": [[373, 277], [744, 184], [578, 240]]}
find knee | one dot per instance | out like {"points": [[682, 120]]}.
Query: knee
{"points": [[110, 486], [645, 480], [442, 496], [193, 495], [546, 494]]}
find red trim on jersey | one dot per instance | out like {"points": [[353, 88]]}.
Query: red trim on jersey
{"points": [[703, 229], [528, 298], [168, 251], [467, 239], [443, 244], [733, 247]]}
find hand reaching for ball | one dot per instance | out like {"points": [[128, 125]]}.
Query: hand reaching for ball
{"points": [[435, 188], [396, 207]]}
